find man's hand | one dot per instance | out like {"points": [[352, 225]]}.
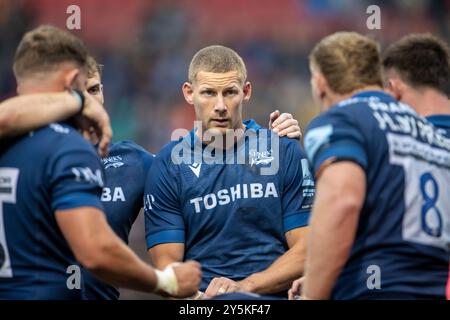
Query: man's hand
{"points": [[284, 125], [221, 285], [189, 276], [96, 125], [295, 291]]}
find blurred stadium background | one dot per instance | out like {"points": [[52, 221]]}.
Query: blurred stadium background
{"points": [[146, 45]]}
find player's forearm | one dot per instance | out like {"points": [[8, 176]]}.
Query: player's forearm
{"points": [[25, 113], [333, 227], [280, 275], [118, 265], [164, 254]]}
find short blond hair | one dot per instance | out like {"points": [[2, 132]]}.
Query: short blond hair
{"points": [[348, 60], [218, 59]]}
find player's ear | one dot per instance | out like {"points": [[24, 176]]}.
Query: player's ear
{"points": [[188, 92], [247, 91], [320, 84], [394, 87], [70, 78]]}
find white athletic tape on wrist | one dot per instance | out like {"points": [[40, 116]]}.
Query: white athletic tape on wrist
{"points": [[167, 280]]}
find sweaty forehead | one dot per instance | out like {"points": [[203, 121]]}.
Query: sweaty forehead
{"points": [[218, 80]]}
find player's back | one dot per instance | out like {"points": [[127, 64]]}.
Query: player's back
{"points": [[50, 169], [400, 250]]}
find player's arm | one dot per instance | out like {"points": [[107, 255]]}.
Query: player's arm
{"points": [[25, 113], [101, 251], [28, 112], [335, 216], [278, 277], [336, 149], [164, 223], [288, 267], [164, 254]]}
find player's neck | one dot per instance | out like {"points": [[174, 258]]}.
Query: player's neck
{"points": [[428, 102], [222, 141], [337, 98]]}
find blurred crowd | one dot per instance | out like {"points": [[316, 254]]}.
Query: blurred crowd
{"points": [[146, 46]]}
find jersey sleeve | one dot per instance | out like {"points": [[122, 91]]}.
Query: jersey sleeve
{"points": [[75, 174], [163, 215], [334, 136], [298, 187]]}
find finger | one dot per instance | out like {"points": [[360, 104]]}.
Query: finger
{"points": [[233, 287], [286, 124], [290, 295], [220, 286], [212, 287], [296, 287], [105, 139], [86, 134], [223, 288], [273, 116], [294, 135], [291, 129], [283, 117]]}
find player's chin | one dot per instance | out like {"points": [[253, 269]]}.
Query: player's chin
{"points": [[216, 130]]}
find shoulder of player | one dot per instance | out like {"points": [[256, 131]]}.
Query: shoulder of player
{"points": [[351, 112], [163, 159], [64, 136], [128, 146], [290, 146], [166, 151]]}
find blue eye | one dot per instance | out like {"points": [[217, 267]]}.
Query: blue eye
{"points": [[208, 92], [230, 92]]}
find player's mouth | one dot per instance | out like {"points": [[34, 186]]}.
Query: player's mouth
{"points": [[220, 122]]}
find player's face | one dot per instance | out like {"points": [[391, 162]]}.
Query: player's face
{"points": [[218, 99], [95, 88]]}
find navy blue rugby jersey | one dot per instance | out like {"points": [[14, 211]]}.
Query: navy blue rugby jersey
{"points": [[442, 122], [403, 231], [231, 216], [50, 169]]}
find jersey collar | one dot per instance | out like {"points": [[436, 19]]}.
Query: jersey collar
{"points": [[372, 93], [440, 120]]}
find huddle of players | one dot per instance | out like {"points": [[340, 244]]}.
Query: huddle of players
{"points": [[392, 213]]}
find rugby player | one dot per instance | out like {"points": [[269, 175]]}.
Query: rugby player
{"points": [[417, 72], [380, 170], [247, 229], [50, 184]]}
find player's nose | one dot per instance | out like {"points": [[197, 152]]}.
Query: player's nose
{"points": [[220, 105]]}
